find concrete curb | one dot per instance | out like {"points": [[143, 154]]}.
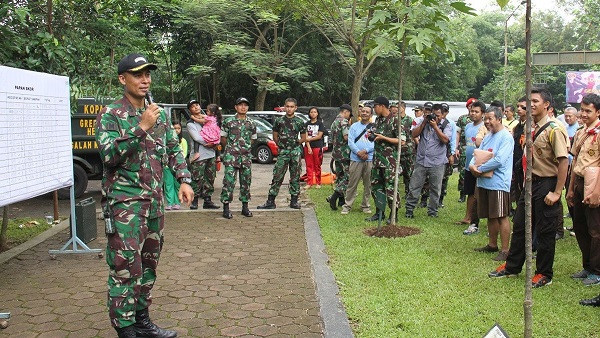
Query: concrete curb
{"points": [[9, 254], [332, 312]]}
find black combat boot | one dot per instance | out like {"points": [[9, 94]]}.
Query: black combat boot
{"points": [[294, 202], [245, 211], [144, 327], [208, 204], [226, 213], [194, 204], [333, 199], [389, 220], [269, 204], [375, 216], [462, 198], [126, 332], [341, 200]]}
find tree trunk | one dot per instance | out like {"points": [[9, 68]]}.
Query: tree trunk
{"points": [[261, 96], [49, 16], [359, 74], [528, 302], [4, 229], [199, 83], [215, 87]]}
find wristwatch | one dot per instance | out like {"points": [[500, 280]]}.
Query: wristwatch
{"points": [[185, 180]]}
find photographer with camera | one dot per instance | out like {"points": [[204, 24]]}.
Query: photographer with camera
{"points": [[434, 133], [386, 138]]}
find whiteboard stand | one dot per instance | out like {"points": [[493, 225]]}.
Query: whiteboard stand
{"points": [[74, 239]]}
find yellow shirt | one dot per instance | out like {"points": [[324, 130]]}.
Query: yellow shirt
{"points": [[548, 147], [510, 124], [586, 149]]}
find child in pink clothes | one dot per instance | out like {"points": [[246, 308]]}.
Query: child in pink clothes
{"points": [[211, 133]]}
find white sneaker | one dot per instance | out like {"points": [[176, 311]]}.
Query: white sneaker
{"points": [[471, 230], [345, 211], [367, 211]]}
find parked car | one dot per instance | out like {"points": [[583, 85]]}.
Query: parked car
{"points": [[264, 149]]}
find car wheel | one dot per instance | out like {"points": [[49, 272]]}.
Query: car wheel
{"points": [[264, 154], [81, 181]]}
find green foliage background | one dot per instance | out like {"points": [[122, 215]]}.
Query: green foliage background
{"points": [[216, 50]]}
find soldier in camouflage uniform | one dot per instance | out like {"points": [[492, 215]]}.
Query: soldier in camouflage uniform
{"points": [[384, 158], [237, 135], [285, 134], [136, 141], [407, 155], [340, 154], [462, 122]]}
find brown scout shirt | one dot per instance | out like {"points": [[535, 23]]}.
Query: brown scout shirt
{"points": [[548, 147], [586, 149]]}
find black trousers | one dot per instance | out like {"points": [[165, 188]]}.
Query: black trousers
{"points": [[545, 220], [586, 224]]}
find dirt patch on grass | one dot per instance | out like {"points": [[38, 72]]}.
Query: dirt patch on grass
{"points": [[392, 231]]}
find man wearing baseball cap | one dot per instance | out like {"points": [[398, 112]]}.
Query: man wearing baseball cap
{"points": [[128, 134]]}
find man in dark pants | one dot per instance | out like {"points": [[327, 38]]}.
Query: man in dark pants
{"points": [[136, 140], [549, 172]]}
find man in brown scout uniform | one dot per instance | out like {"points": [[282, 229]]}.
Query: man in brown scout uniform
{"points": [[586, 214], [136, 141], [549, 171]]}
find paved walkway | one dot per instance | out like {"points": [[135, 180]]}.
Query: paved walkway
{"points": [[216, 277]]}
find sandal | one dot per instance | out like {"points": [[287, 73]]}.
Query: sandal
{"points": [[462, 222]]}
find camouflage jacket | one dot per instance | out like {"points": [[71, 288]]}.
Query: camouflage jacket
{"points": [[239, 134], [134, 159], [288, 130], [386, 153], [340, 149], [462, 122], [408, 147]]}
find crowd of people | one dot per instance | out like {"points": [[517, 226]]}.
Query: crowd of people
{"points": [[144, 158]]}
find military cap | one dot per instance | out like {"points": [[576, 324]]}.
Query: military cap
{"points": [[133, 63]]}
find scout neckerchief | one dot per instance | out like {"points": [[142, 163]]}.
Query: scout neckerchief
{"points": [[590, 132]]}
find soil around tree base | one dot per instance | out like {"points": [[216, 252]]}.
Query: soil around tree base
{"points": [[392, 231]]}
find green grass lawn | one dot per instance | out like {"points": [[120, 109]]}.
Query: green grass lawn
{"points": [[434, 284], [17, 235]]}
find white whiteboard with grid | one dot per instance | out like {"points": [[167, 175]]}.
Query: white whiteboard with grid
{"points": [[35, 134]]}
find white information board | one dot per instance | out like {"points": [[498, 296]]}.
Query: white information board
{"points": [[35, 134]]}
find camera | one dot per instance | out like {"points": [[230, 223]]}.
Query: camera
{"points": [[430, 117], [371, 134]]}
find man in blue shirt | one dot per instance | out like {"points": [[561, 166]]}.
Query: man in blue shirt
{"points": [[361, 161], [493, 193], [434, 134]]}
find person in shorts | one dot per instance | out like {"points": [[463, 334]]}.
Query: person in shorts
{"points": [[493, 193]]}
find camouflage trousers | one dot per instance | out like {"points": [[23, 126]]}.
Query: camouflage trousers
{"points": [[382, 181], [342, 176], [287, 159], [461, 170], [132, 255], [203, 173], [407, 162], [245, 174], [447, 173]]}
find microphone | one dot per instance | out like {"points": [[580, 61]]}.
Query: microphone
{"points": [[150, 100]]}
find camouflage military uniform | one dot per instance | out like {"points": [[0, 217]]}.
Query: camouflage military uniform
{"points": [[384, 160], [340, 153], [204, 173], [133, 187], [462, 122], [237, 156], [290, 152], [407, 156]]}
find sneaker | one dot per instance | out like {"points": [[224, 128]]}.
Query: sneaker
{"points": [[409, 214], [501, 272], [367, 210], [176, 207], [583, 274], [471, 230], [591, 279], [487, 248], [168, 207], [434, 215], [501, 257], [345, 211], [540, 280]]}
